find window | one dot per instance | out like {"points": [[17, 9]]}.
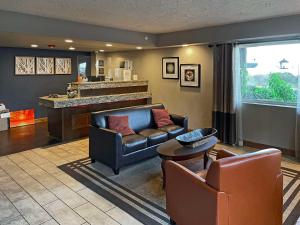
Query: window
{"points": [[269, 73], [82, 69]]}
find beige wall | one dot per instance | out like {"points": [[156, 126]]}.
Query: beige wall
{"points": [[194, 102]]}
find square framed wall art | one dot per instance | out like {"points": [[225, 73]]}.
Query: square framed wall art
{"points": [[24, 65], [101, 63], [190, 75], [63, 66], [170, 67], [44, 65]]}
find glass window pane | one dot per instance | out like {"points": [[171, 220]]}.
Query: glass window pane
{"points": [[269, 73]]}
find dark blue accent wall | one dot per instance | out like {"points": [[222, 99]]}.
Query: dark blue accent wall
{"points": [[22, 92]]}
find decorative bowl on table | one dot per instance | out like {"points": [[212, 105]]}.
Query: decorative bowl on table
{"points": [[196, 137]]}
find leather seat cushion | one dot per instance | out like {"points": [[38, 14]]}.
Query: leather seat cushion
{"points": [[172, 130], [154, 136], [133, 142], [202, 174]]}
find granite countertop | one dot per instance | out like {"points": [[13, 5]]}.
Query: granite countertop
{"points": [[63, 101], [108, 84]]}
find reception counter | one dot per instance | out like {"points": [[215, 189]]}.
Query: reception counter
{"points": [[63, 101], [69, 118]]}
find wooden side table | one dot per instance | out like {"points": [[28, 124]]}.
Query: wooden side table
{"points": [[172, 150]]}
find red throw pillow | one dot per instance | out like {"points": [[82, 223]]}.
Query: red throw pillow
{"points": [[120, 125], [162, 117]]}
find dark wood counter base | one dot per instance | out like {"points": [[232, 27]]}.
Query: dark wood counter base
{"points": [[73, 122]]}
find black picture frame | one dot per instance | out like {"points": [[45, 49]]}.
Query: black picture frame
{"points": [[172, 60], [101, 63], [197, 82]]}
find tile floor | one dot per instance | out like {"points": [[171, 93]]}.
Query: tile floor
{"points": [[34, 191]]}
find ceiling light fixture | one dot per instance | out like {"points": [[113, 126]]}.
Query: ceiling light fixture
{"points": [[68, 40], [71, 48], [108, 45], [34, 45], [101, 50], [139, 47], [185, 45]]}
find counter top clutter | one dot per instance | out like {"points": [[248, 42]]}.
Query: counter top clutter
{"points": [[4, 116], [4, 112]]}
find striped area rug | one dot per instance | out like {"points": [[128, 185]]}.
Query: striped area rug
{"points": [[291, 197], [137, 189]]}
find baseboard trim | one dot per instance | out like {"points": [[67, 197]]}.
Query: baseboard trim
{"points": [[41, 120], [285, 151]]}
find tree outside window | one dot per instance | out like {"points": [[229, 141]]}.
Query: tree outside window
{"points": [[265, 79]]}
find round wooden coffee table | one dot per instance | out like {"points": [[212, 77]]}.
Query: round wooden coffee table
{"points": [[172, 150]]}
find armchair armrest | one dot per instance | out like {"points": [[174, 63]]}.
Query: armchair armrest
{"points": [[222, 153], [105, 146], [190, 200], [180, 121]]}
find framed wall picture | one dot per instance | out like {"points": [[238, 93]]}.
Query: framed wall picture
{"points": [[101, 63], [101, 70], [190, 75], [170, 68], [44, 65], [100, 67], [63, 66], [24, 65]]}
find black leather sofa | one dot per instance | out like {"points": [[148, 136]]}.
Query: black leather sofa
{"points": [[115, 151]]}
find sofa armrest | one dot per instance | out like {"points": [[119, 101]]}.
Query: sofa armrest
{"points": [[190, 200], [180, 121], [222, 153], [105, 146]]}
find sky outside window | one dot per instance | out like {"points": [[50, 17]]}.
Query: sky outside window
{"points": [[268, 58]]}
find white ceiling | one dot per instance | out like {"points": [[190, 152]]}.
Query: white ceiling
{"points": [[25, 41], [155, 16]]}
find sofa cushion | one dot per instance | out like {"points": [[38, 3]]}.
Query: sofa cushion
{"points": [[161, 117], [172, 130], [134, 142], [154, 136], [120, 124], [139, 117]]}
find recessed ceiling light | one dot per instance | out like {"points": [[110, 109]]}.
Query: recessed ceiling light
{"points": [[71, 48], [108, 45], [34, 46], [185, 45], [101, 50], [69, 40], [139, 47]]}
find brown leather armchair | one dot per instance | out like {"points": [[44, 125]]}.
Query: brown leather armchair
{"points": [[237, 190]]}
